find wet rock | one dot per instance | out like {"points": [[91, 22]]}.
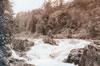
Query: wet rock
{"points": [[50, 41], [21, 45], [74, 56], [3, 61], [91, 55], [16, 62]]}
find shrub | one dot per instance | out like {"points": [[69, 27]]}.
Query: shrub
{"points": [[57, 17]]}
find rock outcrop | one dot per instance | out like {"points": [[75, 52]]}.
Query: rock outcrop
{"points": [[88, 56], [74, 56], [50, 41], [21, 45], [16, 62], [91, 55]]}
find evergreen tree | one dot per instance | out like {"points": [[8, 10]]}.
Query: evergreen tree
{"points": [[5, 33]]}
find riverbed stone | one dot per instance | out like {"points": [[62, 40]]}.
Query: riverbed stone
{"points": [[49, 40], [74, 56]]}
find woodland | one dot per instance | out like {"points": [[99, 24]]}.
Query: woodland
{"points": [[79, 19]]}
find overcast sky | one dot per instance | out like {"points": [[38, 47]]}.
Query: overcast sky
{"points": [[25, 5]]}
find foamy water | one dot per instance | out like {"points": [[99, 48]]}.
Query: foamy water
{"points": [[42, 54]]}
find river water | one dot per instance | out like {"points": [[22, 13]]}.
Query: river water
{"points": [[43, 54]]}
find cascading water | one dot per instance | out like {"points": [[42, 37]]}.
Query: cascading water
{"points": [[42, 54]]}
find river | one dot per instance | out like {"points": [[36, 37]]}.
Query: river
{"points": [[43, 54]]}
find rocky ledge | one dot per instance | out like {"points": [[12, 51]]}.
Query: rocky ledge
{"points": [[21, 45], [91, 55], [16, 62], [88, 56]]}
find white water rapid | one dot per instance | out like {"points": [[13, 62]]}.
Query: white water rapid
{"points": [[42, 54]]}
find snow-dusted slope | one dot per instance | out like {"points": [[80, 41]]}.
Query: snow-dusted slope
{"points": [[43, 54]]}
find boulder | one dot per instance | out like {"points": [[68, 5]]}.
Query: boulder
{"points": [[91, 55], [21, 45], [50, 41], [16, 62], [74, 56]]}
